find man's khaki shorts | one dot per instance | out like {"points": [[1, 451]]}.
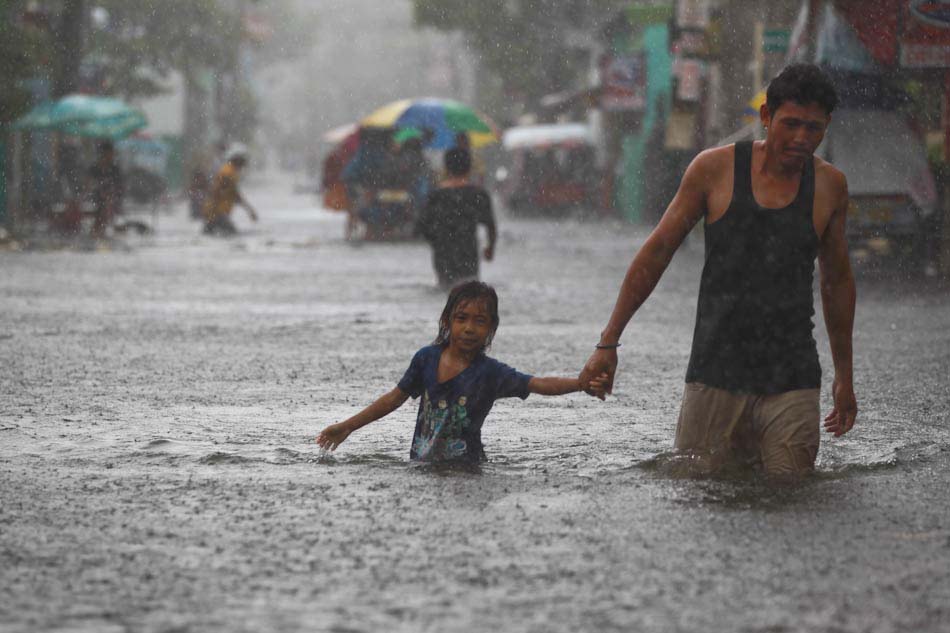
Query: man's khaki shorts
{"points": [[719, 428]]}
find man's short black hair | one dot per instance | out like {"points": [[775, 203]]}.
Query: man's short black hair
{"points": [[803, 84], [458, 162]]}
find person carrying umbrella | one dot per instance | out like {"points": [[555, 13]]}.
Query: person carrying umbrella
{"points": [[107, 187], [225, 194]]}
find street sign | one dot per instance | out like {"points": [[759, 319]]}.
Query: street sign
{"points": [[775, 40]]}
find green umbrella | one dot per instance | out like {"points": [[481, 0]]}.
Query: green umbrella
{"points": [[85, 115]]}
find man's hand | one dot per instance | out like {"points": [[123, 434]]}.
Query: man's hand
{"points": [[841, 419], [333, 436], [598, 386], [489, 253], [600, 369]]}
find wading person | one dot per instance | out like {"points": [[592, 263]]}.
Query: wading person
{"points": [[224, 194], [108, 188], [450, 219], [457, 382], [770, 207]]}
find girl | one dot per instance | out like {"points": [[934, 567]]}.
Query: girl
{"points": [[458, 383]]}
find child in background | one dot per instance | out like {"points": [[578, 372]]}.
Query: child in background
{"points": [[449, 222], [458, 383]]}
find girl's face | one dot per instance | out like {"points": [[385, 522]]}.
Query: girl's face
{"points": [[470, 326]]}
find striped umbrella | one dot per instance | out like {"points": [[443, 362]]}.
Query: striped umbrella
{"points": [[445, 117]]}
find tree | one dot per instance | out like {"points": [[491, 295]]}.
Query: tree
{"points": [[137, 43], [24, 53], [523, 42]]}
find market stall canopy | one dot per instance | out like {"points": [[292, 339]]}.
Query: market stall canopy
{"points": [[85, 115], [541, 135], [444, 117]]}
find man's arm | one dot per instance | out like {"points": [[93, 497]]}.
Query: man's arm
{"points": [[241, 200], [651, 261], [837, 302]]}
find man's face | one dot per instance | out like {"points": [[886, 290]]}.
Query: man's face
{"points": [[795, 131]]}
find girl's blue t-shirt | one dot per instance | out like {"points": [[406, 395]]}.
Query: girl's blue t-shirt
{"points": [[449, 422]]}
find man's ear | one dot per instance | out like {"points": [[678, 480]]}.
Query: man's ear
{"points": [[764, 115]]}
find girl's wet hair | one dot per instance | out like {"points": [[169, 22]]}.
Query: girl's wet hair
{"points": [[465, 293]]}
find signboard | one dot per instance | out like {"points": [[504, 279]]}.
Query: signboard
{"points": [[692, 14], [776, 40], [690, 43], [689, 79], [624, 81], [925, 39]]}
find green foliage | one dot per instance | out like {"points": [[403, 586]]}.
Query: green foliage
{"points": [[24, 54], [291, 32], [144, 40], [523, 42]]}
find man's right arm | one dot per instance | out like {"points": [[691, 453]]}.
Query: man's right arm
{"points": [[652, 259]]}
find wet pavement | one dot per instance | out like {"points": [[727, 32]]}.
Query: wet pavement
{"points": [[157, 470]]}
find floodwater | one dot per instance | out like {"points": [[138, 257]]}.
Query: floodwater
{"points": [[157, 469]]}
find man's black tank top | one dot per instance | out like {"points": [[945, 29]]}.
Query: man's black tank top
{"points": [[754, 319]]}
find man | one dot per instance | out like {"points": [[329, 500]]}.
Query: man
{"points": [[225, 194], [107, 187], [770, 207]]}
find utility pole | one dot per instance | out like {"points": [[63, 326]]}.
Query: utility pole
{"points": [[68, 46]]}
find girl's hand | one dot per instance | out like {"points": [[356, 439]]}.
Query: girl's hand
{"points": [[333, 436], [599, 385]]}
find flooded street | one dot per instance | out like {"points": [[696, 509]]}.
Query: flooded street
{"points": [[160, 401]]}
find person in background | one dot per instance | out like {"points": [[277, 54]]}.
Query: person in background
{"points": [[450, 219], [198, 184], [415, 174], [477, 172], [107, 187], [371, 171], [225, 194]]}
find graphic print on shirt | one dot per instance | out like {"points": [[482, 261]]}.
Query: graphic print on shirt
{"points": [[440, 435]]}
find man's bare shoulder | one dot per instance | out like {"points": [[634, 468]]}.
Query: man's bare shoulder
{"points": [[829, 177], [710, 164]]}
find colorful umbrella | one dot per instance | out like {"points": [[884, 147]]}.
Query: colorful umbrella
{"points": [[341, 133], [444, 117], [750, 113], [85, 115]]}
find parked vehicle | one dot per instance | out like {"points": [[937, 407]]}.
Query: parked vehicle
{"points": [[550, 168], [894, 204]]}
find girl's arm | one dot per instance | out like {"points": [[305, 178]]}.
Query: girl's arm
{"points": [[553, 386], [333, 435]]}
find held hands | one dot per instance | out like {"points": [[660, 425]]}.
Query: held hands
{"points": [[842, 416], [333, 436], [597, 377], [596, 386]]}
